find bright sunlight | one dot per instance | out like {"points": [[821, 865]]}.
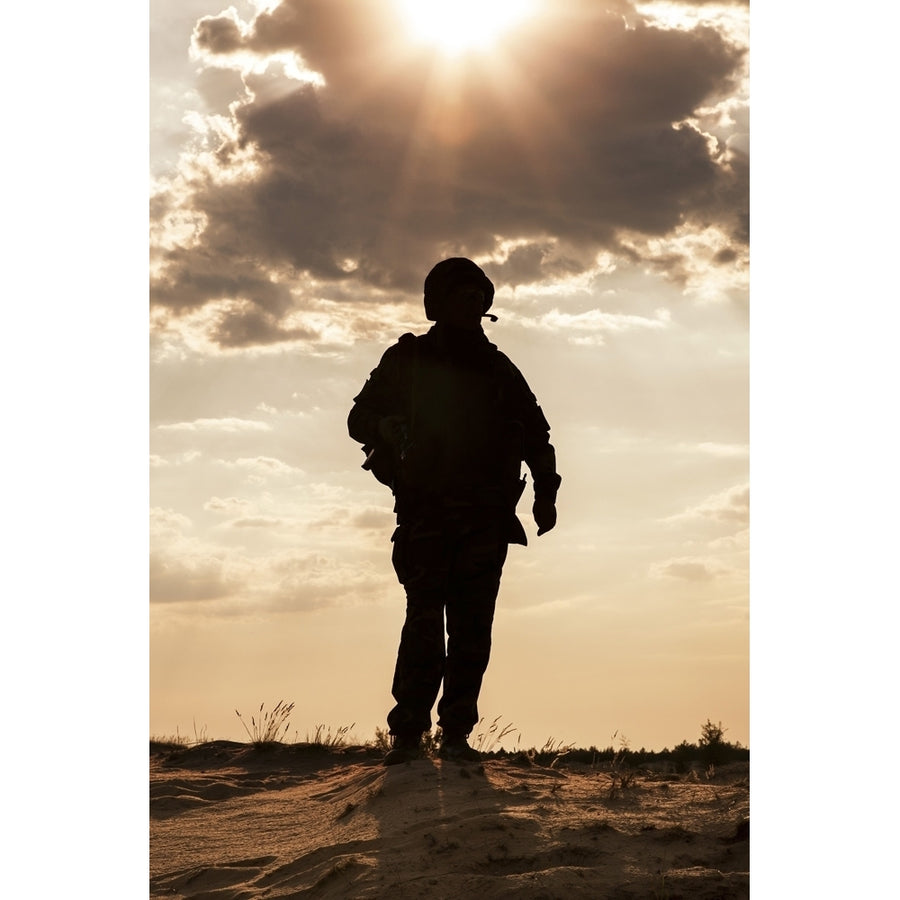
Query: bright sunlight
{"points": [[455, 26]]}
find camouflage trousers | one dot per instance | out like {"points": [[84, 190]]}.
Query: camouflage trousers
{"points": [[449, 565]]}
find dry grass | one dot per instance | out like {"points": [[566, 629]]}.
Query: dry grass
{"points": [[183, 740], [324, 736], [271, 727], [486, 740]]}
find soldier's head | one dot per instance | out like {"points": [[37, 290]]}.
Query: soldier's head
{"points": [[458, 292]]}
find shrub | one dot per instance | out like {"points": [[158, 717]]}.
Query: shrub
{"points": [[713, 748]]}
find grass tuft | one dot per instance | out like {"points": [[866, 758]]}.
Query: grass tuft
{"points": [[486, 740], [182, 740], [271, 727], [323, 736], [622, 776], [556, 750]]}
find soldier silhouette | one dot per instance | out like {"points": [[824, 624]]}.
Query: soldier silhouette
{"points": [[446, 421]]}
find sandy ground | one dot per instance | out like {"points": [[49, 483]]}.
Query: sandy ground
{"points": [[230, 821]]}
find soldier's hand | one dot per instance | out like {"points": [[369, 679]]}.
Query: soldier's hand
{"points": [[391, 429], [544, 512]]}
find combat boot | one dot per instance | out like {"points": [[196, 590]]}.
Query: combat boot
{"points": [[404, 748], [455, 747]]}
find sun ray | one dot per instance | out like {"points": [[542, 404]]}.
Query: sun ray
{"points": [[449, 126], [455, 27], [466, 106]]}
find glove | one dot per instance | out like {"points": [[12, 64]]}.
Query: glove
{"points": [[391, 429], [544, 512]]}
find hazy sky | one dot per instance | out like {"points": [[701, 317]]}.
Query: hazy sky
{"points": [[310, 162]]}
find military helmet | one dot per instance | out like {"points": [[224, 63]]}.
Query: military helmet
{"points": [[449, 273]]}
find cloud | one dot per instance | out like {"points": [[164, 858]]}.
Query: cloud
{"points": [[189, 568], [229, 425], [558, 606], [227, 505], [188, 578], [741, 451], [368, 519], [305, 581], [265, 465], [707, 262], [717, 449], [256, 522], [688, 569], [372, 519], [693, 3], [738, 542], [177, 459], [188, 571], [167, 523], [589, 327], [730, 506], [578, 128]]}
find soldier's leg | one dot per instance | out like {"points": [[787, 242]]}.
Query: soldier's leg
{"points": [[421, 561], [474, 584]]}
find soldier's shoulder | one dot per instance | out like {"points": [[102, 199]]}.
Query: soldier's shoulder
{"points": [[503, 361], [512, 377], [403, 345]]}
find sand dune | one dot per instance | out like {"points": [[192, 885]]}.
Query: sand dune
{"points": [[230, 821]]}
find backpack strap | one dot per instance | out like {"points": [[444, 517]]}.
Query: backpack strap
{"points": [[410, 344]]}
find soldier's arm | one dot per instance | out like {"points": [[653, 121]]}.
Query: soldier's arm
{"points": [[547, 480], [540, 457], [537, 451], [381, 396]]}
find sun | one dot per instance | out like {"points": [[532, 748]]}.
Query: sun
{"points": [[457, 26]]}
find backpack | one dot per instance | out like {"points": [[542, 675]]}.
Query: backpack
{"points": [[380, 459]]}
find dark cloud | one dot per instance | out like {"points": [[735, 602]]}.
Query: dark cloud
{"points": [[723, 257], [533, 261], [218, 34], [563, 134], [252, 325]]}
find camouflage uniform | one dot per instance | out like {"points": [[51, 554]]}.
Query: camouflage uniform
{"points": [[471, 420]]}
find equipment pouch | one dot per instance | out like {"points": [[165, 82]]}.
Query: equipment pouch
{"points": [[380, 462]]}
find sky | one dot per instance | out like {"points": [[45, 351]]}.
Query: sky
{"points": [[310, 162]]}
